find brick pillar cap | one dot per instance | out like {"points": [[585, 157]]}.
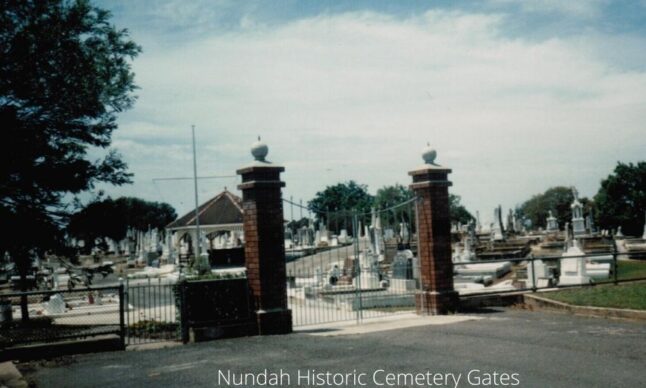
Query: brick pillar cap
{"points": [[428, 168], [259, 166]]}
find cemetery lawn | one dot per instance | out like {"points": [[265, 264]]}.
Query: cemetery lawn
{"points": [[632, 269], [625, 296]]}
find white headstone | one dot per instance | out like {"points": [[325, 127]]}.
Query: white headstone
{"points": [[306, 237], [573, 266], [112, 245], [375, 233], [536, 273], [578, 222], [56, 305], [368, 278], [552, 223]]}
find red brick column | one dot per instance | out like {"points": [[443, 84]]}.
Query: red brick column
{"points": [[265, 244], [431, 186]]}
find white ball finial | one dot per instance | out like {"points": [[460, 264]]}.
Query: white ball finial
{"points": [[259, 150], [429, 154]]}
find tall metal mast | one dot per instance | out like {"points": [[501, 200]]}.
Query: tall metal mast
{"points": [[197, 213]]}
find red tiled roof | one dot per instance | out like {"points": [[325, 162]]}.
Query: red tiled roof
{"points": [[224, 208]]}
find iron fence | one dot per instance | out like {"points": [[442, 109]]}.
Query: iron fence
{"points": [[151, 311], [160, 310], [61, 315], [349, 268], [314, 303], [533, 273]]}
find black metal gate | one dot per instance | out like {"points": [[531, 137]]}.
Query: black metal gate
{"points": [[351, 266], [151, 311]]}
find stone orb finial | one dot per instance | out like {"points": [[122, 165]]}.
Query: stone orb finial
{"points": [[259, 150], [429, 154]]}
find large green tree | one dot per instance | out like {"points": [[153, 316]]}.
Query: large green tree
{"points": [[64, 76], [339, 202], [459, 214], [336, 204], [621, 199], [556, 199], [112, 217], [389, 197], [389, 201]]}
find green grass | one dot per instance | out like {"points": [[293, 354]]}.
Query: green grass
{"points": [[631, 269], [626, 296]]}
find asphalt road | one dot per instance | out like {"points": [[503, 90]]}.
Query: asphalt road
{"points": [[534, 349]]}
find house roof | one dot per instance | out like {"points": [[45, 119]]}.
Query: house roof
{"points": [[224, 208]]}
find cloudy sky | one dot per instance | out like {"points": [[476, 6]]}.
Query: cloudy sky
{"points": [[515, 96]]}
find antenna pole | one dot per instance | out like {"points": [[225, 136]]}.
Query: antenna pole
{"points": [[197, 213]]}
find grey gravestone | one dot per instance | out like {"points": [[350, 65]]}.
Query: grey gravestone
{"points": [[402, 268], [56, 305]]}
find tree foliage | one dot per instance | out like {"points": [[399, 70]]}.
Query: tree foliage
{"points": [[621, 199], [64, 75], [297, 224], [336, 203], [389, 196], [556, 199], [112, 218], [387, 200], [341, 200], [459, 214]]}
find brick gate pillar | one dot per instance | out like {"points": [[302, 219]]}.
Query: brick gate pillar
{"points": [[264, 244], [431, 186]]}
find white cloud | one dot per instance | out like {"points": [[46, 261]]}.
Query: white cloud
{"points": [[357, 95], [580, 8]]}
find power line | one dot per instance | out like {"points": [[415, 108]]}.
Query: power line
{"points": [[192, 178]]}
